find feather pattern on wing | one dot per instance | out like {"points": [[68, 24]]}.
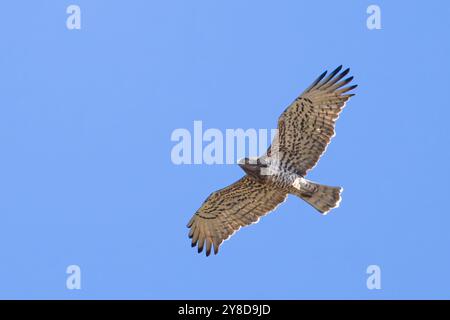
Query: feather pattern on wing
{"points": [[227, 210], [306, 127]]}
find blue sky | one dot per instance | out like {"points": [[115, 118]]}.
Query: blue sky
{"points": [[86, 176]]}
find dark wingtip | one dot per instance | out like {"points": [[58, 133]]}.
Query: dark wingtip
{"points": [[322, 75], [337, 70]]}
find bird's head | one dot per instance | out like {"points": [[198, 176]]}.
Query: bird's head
{"points": [[252, 167]]}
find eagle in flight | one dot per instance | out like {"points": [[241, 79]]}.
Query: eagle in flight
{"points": [[305, 129]]}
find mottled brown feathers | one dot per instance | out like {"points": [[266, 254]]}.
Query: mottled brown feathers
{"points": [[305, 129]]}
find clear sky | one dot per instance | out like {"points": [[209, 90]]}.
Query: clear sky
{"points": [[86, 176]]}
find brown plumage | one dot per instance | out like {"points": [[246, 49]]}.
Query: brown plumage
{"points": [[305, 129]]}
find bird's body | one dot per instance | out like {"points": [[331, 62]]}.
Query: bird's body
{"points": [[279, 173], [304, 130], [274, 173]]}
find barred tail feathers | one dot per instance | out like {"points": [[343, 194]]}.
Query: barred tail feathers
{"points": [[322, 198]]}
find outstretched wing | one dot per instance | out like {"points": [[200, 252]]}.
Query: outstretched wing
{"points": [[227, 210], [306, 127]]}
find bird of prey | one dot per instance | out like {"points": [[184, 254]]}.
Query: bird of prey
{"points": [[305, 129]]}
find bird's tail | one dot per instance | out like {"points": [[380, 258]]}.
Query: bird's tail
{"points": [[323, 198]]}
